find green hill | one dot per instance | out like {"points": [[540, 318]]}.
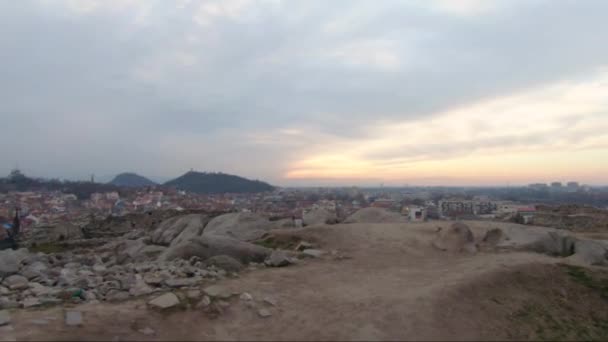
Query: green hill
{"points": [[211, 183], [133, 180]]}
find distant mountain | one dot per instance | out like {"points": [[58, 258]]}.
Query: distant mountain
{"points": [[132, 180], [212, 183]]}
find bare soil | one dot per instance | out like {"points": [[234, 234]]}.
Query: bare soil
{"points": [[383, 282]]}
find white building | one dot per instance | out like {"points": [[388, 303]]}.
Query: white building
{"points": [[417, 214]]}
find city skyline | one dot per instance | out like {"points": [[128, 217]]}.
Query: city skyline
{"points": [[314, 93]]}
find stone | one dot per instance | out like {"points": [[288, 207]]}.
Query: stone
{"points": [[179, 229], [74, 265], [153, 280], [303, 245], [130, 251], [224, 262], [34, 270], [166, 301], [61, 232], [126, 281], [205, 302], [243, 226], [67, 277], [270, 301], [193, 294], [73, 318], [140, 288], [457, 238], [319, 216], [16, 282], [108, 286], [223, 304], [86, 273], [10, 261], [90, 296], [209, 246], [147, 331], [494, 237], [30, 302], [143, 268], [182, 282], [588, 252], [314, 253], [246, 297], [5, 318], [150, 252], [264, 313], [217, 291], [278, 259], [8, 303], [39, 321], [99, 268], [117, 296], [40, 290], [4, 291]]}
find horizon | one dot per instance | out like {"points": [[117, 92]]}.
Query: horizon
{"points": [[162, 180], [469, 93]]}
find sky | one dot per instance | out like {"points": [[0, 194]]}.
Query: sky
{"points": [[307, 92]]}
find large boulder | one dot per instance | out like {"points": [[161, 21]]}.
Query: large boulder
{"points": [[278, 258], [66, 231], [179, 229], [165, 301], [375, 215], [224, 262], [34, 270], [244, 226], [589, 252], [457, 238], [16, 282], [209, 246], [10, 261], [494, 237], [319, 216], [56, 233], [137, 251], [551, 242]]}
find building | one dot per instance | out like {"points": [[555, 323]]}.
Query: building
{"points": [[459, 208], [573, 186], [417, 214], [383, 203], [527, 214], [539, 186]]}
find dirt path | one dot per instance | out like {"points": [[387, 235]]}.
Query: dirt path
{"points": [[387, 289]]}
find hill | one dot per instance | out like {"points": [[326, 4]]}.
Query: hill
{"points": [[129, 179], [17, 181], [210, 183]]}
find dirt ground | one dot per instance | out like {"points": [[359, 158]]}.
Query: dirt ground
{"points": [[386, 282]]}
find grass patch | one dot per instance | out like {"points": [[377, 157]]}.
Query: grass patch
{"points": [[268, 243], [48, 248], [553, 318], [581, 276], [278, 242], [550, 327]]}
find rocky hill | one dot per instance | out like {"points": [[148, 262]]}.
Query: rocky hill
{"points": [[208, 183], [130, 179]]}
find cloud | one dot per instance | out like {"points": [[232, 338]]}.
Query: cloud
{"points": [[163, 86], [565, 117]]}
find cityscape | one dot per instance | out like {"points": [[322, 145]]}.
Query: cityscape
{"points": [[49, 208], [283, 170]]}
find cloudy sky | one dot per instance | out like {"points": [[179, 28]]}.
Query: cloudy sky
{"points": [[307, 92]]}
